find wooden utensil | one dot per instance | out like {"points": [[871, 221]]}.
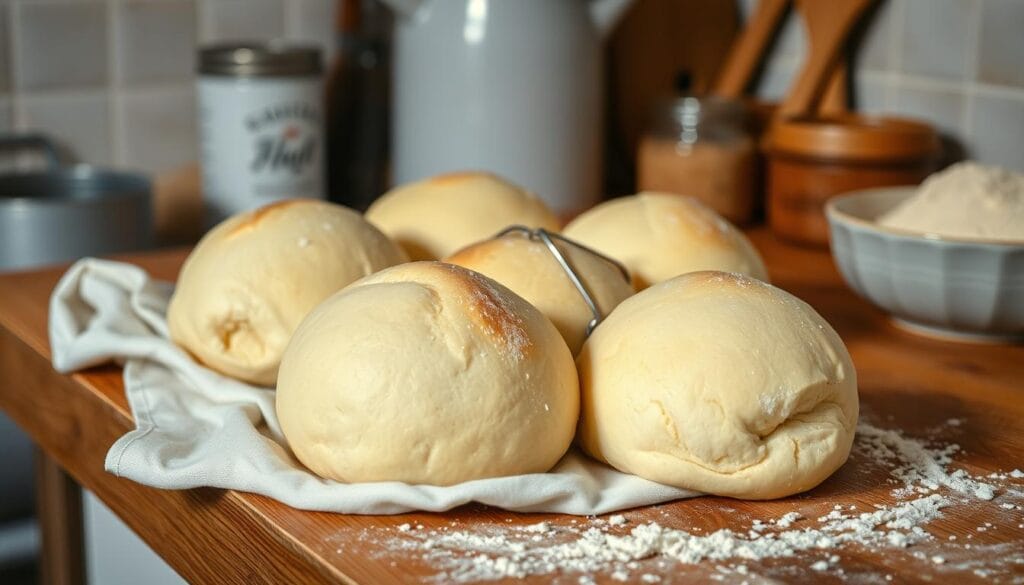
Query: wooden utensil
{"points": [[749, 47], [828, 25], [817, 149], [835, 99], [748, 50]]}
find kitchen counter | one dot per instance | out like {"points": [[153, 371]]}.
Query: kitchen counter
{"points": [[907, 382]]}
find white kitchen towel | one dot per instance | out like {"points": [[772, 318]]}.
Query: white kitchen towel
{"points": [[196, 428]]}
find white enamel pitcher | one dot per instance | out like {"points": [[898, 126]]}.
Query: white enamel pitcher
{"points": [[508, 86]]}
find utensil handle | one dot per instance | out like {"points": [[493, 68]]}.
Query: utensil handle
{"points": [[835, 100], [32, 142], [828, 25], [748, 49]]}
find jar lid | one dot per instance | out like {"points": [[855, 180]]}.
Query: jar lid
{"points": [[691, 108], [260, 60], [853, 136]]}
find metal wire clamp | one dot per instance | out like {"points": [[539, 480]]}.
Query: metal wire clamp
{"points": [[548, 239]]}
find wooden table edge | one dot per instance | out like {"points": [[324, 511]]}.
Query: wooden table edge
{"points": [[25, 355], [100, 482]]}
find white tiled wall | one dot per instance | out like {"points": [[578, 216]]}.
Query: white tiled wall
{"points": [[113, 80], [956, 63]]}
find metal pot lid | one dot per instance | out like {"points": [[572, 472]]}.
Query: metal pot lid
{"points": [[78, 184]]}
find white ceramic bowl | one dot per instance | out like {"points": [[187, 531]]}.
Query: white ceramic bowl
{"points": [[964, 289]]}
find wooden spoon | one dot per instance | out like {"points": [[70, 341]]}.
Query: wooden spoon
{"points": [[828, 25], [748, 48], [835, 100]]}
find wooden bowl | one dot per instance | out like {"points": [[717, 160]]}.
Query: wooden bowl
{"points": [[813, 158]]}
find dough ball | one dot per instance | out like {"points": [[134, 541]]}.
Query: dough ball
{"points": [[720, 383], [249, 282], [433, 218], [662, 235], [427, 373], [528, 268]]}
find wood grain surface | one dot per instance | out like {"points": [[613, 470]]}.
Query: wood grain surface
{"points": [[217, 536]]}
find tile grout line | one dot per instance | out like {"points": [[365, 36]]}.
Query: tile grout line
{"points": [[896, 34], [150, 86], [924, 82], [115, 71], [971, 87], [291, 18], [14, 54], [1001, 91], [204, 30]]}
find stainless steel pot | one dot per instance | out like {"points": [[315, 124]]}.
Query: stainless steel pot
{"points": [[64, 213]]}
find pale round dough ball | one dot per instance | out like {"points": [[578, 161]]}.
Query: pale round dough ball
{"points": [[528, 268], [433, 218], [252, 279], [719, 383], [427, 373], [662, 235]]}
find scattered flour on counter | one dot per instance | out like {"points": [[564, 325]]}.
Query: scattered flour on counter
{"points": [[617, 520], [475, 556], [539, 527], [925, 486], [787, 520], [920, 468]]}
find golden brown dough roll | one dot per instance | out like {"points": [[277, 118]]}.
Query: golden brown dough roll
{"points": [[719, 383], [249, 282], [427, 373], [661, 235], [528, 268], [433, 218]]}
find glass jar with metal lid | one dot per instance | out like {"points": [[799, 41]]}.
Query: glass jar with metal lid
{"points": [[261, 125], [701, 147]]}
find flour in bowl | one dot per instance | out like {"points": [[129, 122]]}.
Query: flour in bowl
{"points": [[967, 200]]}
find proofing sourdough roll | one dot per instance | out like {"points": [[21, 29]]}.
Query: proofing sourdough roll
{"points": [[528, 268], [662, 235], [719, 383], [427, 373], [249, 282], [433, 218]]}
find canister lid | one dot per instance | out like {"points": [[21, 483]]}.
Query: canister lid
{"points": [[702, 108], [853, 136], [260, 60], [711, 117]]}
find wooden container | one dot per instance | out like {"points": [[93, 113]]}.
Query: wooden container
{"points": [[813, 158]]}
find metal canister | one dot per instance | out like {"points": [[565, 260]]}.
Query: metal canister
{"points": [[261, 126]]}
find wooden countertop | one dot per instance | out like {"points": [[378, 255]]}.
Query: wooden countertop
{"points": [[217, 536]]}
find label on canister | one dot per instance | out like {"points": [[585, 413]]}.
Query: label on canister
{"points": [[262, 141]]}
